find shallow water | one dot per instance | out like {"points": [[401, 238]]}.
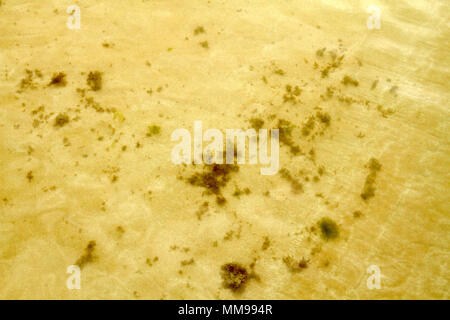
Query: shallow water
{"points": [[87, 178]]}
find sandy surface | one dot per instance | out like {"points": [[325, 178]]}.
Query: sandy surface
{"points": [[83, 180]]}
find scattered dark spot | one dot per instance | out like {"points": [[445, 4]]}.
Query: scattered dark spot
{"points": [[369, 189], [107, 45], [202, 210], [199, 30], [214, 178], [374, 85], [81, 92], [66, 142], [279, 72], [91, 103], [94, 80], [330, 92], [346, 99], [220, 200], [234, 276], [308, 126], [320, 52], [347, 80], [325, 118], [295, 266], [28, 81], [204, 44], [238, 192], [153, 130], [385, 112], [266, 243], [30, 176], [291, 94], [337, 61], [120, 230], [61, 120], [296, 186], [374, 165], [256, 123], [228, 236], [303, 264], [58, 80], [393, 90], [329, 229], [88, 255], [285, 136], [321, 170], [187, 262], [150, 262], [357, 214]]}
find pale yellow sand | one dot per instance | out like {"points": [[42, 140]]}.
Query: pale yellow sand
{"points": [[62, 187]]}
